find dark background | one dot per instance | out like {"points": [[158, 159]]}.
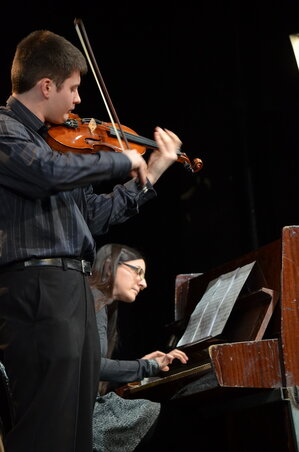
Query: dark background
{"points": [[222, 75]]}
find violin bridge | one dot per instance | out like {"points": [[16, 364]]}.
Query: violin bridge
{"points": [[92, 125]]}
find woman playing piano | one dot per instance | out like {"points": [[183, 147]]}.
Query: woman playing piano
{"points": [[121, 424]]}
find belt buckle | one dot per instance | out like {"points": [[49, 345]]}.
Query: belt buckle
{"points": [[85, 266]]}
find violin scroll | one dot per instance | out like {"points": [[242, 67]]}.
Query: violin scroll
{"points": [[194, 166]]}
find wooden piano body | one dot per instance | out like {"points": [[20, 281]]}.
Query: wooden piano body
{"points": [[249, 386]]}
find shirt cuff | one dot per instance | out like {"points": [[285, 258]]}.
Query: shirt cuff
{"points": [[134, 186], [154, 368]]}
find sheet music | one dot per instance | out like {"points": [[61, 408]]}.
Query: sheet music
{"points": [[212, 311]]}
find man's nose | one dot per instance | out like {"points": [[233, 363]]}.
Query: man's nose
{"points": [[77, 99]]}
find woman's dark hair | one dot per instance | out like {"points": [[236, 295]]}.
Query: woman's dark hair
{"points": [[44, 54], [105, 266]]}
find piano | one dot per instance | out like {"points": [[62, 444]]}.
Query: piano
{"points": [[245, 380]]}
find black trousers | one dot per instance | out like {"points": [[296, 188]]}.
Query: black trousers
{"points": [[52, 358]]}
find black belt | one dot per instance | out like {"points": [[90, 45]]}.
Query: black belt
{"points": [[63, 262]]}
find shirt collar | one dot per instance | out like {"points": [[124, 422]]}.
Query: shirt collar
{"points": [[26, 116]]}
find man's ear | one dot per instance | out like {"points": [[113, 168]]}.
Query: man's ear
{"points": [[46, 85]]}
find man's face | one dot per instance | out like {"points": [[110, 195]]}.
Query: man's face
{"points": [[61, 102]]}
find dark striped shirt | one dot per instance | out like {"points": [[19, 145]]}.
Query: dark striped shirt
{"points": [[47, 204]]}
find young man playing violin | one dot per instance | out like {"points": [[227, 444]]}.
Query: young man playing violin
{"points": [[49, 219]]}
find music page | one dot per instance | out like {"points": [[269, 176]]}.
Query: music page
{"points": [[212, 311]]}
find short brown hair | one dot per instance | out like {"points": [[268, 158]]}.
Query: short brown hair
{"points": [[44, 54]]}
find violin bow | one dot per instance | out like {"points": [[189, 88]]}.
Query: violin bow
{"points": [[80, 29]]}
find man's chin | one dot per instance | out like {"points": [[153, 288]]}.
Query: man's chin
{"points": [[59, 121]]}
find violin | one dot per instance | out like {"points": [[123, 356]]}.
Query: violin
{"points": [[89, 135]]}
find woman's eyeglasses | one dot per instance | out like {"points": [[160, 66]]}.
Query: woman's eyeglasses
{"points": [[138, 270]]}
